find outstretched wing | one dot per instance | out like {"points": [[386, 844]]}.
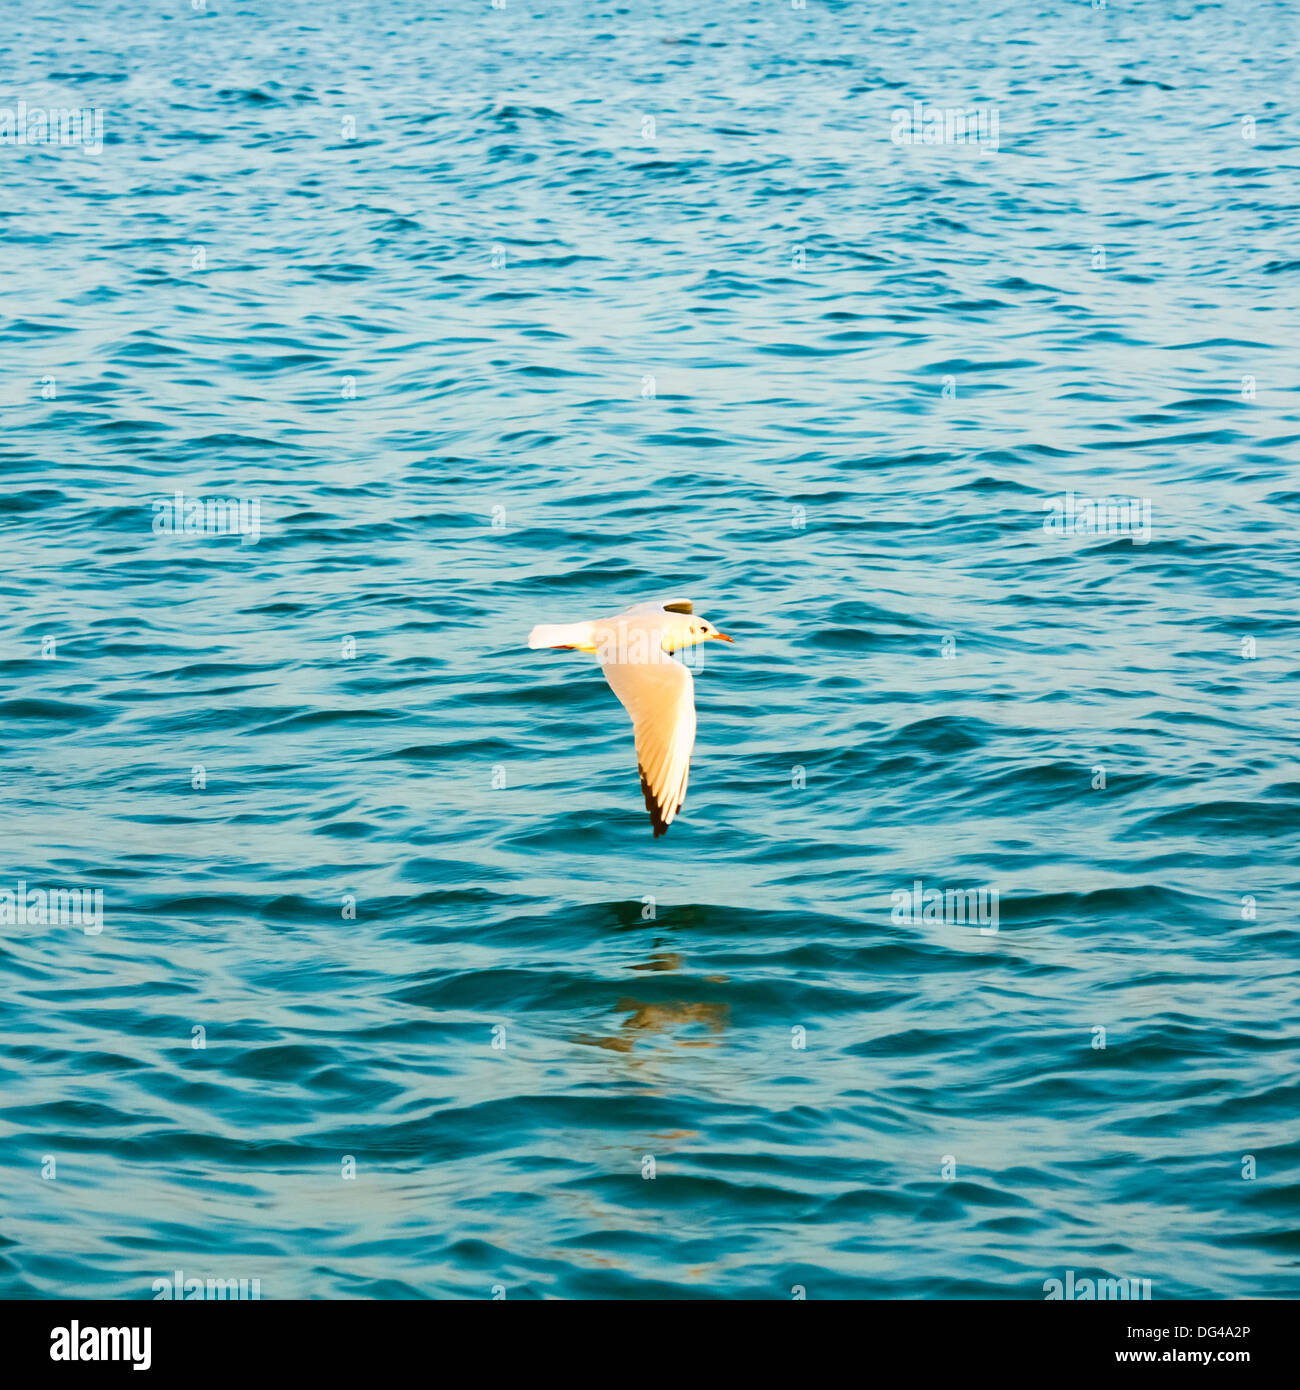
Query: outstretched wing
{"points": [[660, 697], [659, 605]]}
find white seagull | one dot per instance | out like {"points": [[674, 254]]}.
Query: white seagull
{"points": [[635, 651]]}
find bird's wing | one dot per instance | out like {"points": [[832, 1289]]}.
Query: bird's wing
{"points": [[660, 697], [660, 605]]}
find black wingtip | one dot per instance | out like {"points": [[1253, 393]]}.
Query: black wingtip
{"points": [[651, 805]]}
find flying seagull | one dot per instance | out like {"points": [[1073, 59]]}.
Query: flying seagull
{"points": [[635, 653]]}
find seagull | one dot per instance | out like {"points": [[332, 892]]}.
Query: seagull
{"points": [[635, 652]]}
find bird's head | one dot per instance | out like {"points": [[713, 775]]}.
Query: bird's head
{"points": [[690, 631]]}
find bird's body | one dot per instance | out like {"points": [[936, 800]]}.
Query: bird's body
{"points": [[635, 653]]}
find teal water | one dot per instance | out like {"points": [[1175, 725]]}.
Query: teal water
{"points": [[487, 348]]}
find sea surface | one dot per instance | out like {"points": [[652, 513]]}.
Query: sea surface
{"points": [[488, 317]]}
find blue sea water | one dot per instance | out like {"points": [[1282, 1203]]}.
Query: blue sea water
{"points": [[518, 315]]}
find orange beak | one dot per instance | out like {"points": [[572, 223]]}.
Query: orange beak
{"points": [[722, 637]]}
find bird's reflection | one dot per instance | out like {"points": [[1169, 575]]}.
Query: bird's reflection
{"points": [[661, 960], [664, 1016]]}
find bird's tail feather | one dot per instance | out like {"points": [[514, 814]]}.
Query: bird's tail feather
{"points": [[562, 635]]}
